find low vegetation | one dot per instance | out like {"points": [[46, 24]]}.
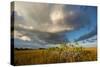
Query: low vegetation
{"points": [[54, 55]]}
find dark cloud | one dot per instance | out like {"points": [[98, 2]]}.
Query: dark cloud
{"points": [[15, 16], [46, 24], [79, 20], [88, 35], [44, 37]]}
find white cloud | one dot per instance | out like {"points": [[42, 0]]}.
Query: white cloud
{"points": [[21, 36], [26, 27], [25, 38], [57, 13]]}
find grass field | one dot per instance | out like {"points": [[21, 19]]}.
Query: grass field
{"points": [[54, 55]]}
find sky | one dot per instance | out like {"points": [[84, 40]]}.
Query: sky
{"points": [[43, 25]]}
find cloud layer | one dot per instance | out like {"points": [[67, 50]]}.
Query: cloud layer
{"points": [[47, 24]]}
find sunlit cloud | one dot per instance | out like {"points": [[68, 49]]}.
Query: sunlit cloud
{"points": [[57, 14], [25, 38], [26, 27], [21, 36]]}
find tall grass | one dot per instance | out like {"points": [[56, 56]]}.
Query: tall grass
{"points": [[54, 55]]}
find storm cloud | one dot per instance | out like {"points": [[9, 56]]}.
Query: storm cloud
{"points": [[50, 17], [47, 24]]}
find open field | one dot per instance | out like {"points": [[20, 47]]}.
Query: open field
{"points": [[54, 55]]}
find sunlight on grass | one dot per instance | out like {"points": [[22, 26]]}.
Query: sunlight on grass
{"points": [[54, 55]]}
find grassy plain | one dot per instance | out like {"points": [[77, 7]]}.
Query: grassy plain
{"points": [[54, 55]]}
